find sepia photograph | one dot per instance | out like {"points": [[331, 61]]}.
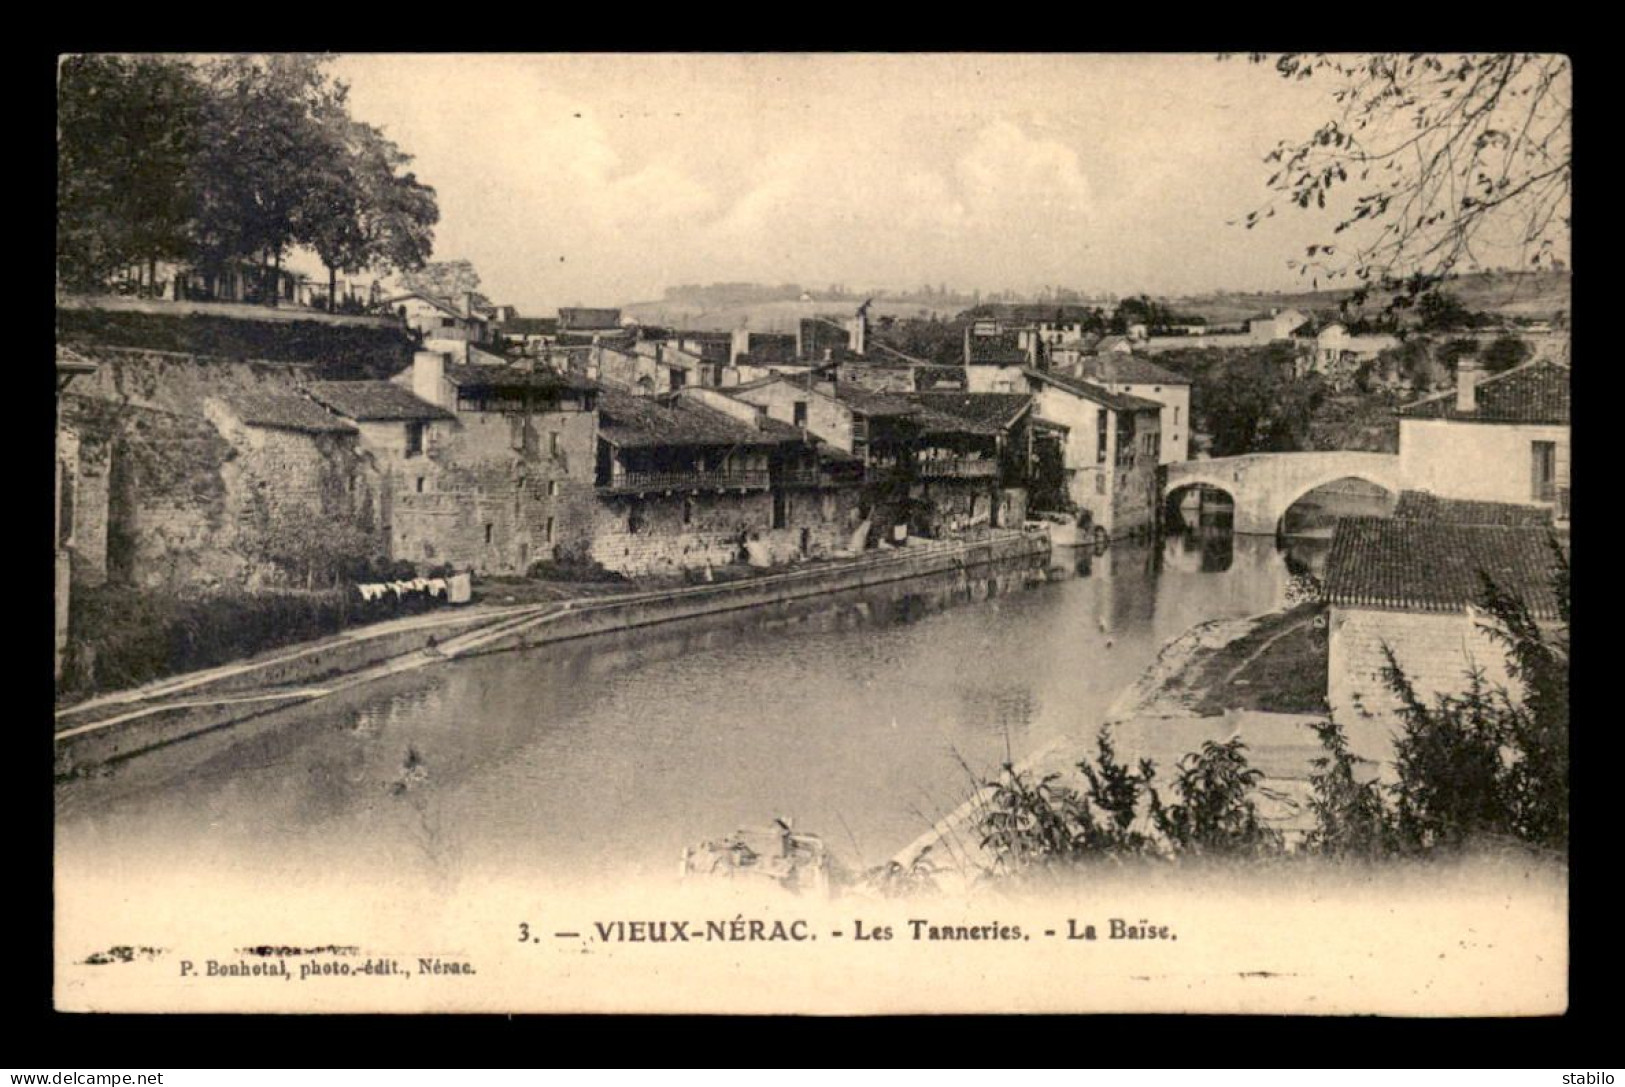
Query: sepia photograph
{"points": [[812, 533]]}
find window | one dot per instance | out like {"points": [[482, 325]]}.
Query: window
{"points": [[553, 443], [420, 484], [1101, 423], [552, 488], [1100, 482], [448, 322], [1544, 471], [688, 509], [414, 439], [1176, 416], [550, 531], [489, 528], [801, 413]]}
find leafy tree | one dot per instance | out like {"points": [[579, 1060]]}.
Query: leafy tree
{"points": [[360, 211], [1455, 350], [128, 130], [1251, 403], [1439, 311], [1427, 157], [1505, 352]]}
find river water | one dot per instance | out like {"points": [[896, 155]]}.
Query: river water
{"points": [[856, 716]]}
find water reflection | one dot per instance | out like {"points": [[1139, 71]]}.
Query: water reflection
{"points": [[857, 714]]}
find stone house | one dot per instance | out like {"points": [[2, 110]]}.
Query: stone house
{"points": [[1029, 450], [1412, 586], [1499, 439], [396, 430], [681, 485], [1134, 376], [1113, 442], [296, 472], [584, 320], [441, 324], [507, 480]]}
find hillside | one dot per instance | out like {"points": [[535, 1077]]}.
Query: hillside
{"points": [[780, 316], [1512, 294]]}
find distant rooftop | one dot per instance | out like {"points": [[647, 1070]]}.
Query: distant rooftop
{"points": [[636, 421], [1131, 370]]}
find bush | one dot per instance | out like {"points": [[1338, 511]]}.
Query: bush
{"points": [[572, 568], [1029, 825], [122, 637]]}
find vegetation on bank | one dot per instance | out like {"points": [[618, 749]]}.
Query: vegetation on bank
{"points": [[335, 352], [1485, 767], [121, 636]]}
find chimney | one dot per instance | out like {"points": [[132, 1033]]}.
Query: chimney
{"points": [[1468, 374], [857, 332], [428, 377], [468, 303], [740, 344]]}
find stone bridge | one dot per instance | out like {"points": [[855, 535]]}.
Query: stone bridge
{"points": [[1264, 485]]}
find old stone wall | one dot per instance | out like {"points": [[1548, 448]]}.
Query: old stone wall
{"points": [[495, 492], [173, 494], [658, 534]]}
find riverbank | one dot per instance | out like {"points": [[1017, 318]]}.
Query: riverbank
{"points": [[1262, 678], [118, 725]]}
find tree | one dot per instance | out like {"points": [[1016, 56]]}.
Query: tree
{"points": [[261, 149], [1251, 403], [360, 211], [1440, 311], [128, 129], [1427, 157], [1505, 352]]}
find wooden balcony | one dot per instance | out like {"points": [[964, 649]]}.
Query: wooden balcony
{"points": [[719, 479], [956, 468]]}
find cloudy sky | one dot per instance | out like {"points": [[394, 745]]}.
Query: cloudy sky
{"points": [[603, 179]]}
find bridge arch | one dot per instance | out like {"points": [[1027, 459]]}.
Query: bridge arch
{"points": [[1300, 493], [1265, 485]]}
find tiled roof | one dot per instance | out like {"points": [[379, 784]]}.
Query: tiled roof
{"points": [[1536, 392], [585, 317], [1430, 566], [635, 421], [1089, 391], [278, 410], [510, 377], [998, 410], [530, 326], [873, 404], [374, 401], [1129, 370], [1422, 506]]}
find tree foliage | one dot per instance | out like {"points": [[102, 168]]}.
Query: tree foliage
{"points": [[128, 131], [1505, 352], [1249, 400], [1429, 159], [232, 159]]}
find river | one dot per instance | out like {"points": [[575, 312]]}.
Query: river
{"points": [[857, 716]]}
